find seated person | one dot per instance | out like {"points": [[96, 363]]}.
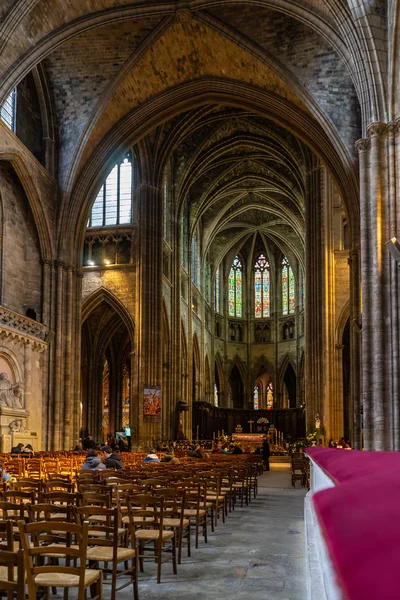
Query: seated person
{"points": [[5, 477], [151, 457], [237, 449], [112, 460], [225, 449], [216, 449], [92, 461], [28, 450], [196, 452], [18, 449]]}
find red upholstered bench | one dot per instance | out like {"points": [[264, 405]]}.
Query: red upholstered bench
{"points": [[359, 520]]}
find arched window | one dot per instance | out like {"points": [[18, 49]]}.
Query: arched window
{"points": [[194, 259], [288, 293], [255, 397], [217, 290], [235, 289], [270, 397], [113, 204], [215, 395], [7, 110], [262, 291]]}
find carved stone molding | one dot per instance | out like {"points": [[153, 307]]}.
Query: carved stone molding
{"points": [[376, 129], [362, 145], [183, 15], [20, 328]]}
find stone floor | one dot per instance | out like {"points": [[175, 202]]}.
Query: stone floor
{"points": [[257, 555]]}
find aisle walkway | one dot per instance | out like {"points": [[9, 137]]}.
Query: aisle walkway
{"points": [[257, 555]]}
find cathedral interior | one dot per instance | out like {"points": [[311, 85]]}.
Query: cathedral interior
{"points": [[196, 198]]}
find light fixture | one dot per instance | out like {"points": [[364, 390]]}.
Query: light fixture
{"points": [[90, 263], [107, 261], [394, 248]]}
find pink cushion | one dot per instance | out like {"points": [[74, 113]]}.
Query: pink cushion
{"points": [[346, 465], [359, 519]]}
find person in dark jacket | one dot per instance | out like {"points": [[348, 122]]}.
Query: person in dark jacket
{"points": [[112, 460], [89, 443], [18, 449], [92, 461], [266, 453]]}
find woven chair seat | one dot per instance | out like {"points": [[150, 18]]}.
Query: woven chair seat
{"points": [[152, 534], [4, 574], [212, 497], [105, 553], [175, 522], [65, 579], [192, 512]]}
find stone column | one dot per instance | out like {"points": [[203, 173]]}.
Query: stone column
{"points": [[355, 346], [150, 300], [378, 218], [314, 298]]}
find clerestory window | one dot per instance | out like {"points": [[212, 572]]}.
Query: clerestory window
{"points": [[113, 203]]}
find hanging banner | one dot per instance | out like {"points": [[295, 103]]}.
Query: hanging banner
{"points": [[152, 405]]}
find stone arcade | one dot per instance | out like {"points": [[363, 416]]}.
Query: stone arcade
{"points": [[194, 198]]}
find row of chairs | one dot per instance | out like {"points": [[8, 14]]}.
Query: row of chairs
{"points": [[111, 522]]}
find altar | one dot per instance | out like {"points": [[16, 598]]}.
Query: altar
{"points": [[248, 440]]}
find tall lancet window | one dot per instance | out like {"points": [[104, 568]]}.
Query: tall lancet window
{"points": [[235, 289], [194, 259], [270, 397], [215, 395], [217, 291], [113, 203], [288, 292], [255, 397], [262, 291]]}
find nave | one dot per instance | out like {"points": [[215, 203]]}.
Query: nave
{"points": [[257, 555]]}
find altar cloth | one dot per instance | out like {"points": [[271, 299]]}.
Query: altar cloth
{"points": [[359, 521]]}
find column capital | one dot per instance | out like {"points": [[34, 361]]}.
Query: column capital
{"points": [[376, 129], [362, 145]]}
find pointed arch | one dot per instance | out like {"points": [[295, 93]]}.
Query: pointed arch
{"points": [[104, 295], [288, 383]]}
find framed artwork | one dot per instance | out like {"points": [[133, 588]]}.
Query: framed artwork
{"points": [[152, 405]]}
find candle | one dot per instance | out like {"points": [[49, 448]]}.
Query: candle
{"points": [[218, 433], [213, 435], [197, 432], [222, 432]]}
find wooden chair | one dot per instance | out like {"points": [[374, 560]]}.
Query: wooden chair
{"points": [[109, 544], [195, 509], [174, 505], [18, 497], [53, 576], [12, 574], [147, 520], [298, 469]]}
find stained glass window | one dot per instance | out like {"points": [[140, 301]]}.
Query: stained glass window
{"points": [[270, 397], [217, 290], [194, 259], [113, 203], [7, 110], [255, 398], [288, 288], [215, 395], [235, 289], [262, 282]]}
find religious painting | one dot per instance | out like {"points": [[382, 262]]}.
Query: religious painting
{"points": [[152, 405]]}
